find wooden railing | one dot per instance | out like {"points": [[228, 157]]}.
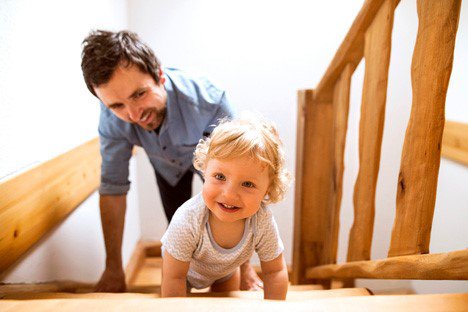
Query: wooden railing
{"points": [[321, 135], [34, 202]]}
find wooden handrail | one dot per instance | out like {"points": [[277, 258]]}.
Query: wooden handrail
{"points": [[350, 51], [37, 200]]}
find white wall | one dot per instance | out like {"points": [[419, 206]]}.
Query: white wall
{"points": [[257, 50], [262, 52], [46, 110]]}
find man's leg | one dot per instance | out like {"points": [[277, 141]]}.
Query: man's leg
{"points": [[173, 197]]}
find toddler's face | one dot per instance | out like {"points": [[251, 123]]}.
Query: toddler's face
{"points": [[234, 188]]}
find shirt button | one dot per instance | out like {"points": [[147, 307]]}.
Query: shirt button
{"points": [[164, 148], [173, 161]]}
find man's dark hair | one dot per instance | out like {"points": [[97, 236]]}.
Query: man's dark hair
{"points": [[104, 51]]}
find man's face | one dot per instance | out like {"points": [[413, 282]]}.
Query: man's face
{"points": [[134, 97]]}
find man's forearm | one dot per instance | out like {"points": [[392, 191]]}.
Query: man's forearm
{"points": [[112, 220]]}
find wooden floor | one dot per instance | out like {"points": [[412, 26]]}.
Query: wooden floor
{"points": [[144, 295]]}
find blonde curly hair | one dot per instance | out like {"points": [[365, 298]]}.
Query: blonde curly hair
{"points": [[248, 136]]}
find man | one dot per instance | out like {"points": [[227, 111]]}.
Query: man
{"points": [[164, 111]]}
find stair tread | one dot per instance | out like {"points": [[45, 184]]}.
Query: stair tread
{"points": [[292, 295], [410, 303]]}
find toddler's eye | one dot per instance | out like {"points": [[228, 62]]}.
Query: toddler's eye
{"points": [[220, 176], [248, 184]]}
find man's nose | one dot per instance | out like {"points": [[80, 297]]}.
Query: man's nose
{"points": [[134, 113]]}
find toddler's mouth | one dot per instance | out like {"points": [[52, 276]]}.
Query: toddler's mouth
{"points": [[228, 208]]}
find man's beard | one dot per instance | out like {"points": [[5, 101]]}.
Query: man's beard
{"points": [[158, 118]]}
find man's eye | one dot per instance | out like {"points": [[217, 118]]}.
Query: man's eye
{"points": [[220, 176], [248, 184], [116, 106]]}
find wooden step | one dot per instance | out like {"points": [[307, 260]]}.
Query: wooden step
{"points": [[258, 295], [410, 303]]}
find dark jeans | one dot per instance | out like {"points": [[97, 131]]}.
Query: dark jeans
{"points": [[173, 197]]}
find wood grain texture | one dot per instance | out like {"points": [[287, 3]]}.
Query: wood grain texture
{"points": [[455, 142], [351, 49], [377, 49], [445, 266], [403, 303], [314, 184], [340, 127], [36, 201], [298, 272], [430, 73]]}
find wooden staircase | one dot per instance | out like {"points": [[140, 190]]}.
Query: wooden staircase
{"points": [[48, 193], [144, 294]]}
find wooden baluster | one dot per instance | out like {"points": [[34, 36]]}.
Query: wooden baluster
{"points": [[430, 73], [340, 122], [314, 184], [377, 55]]}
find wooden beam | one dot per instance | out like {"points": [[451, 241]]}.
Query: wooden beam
{"points": [[455, 142], [351, 49], [430, 73], [314, 184], [378, 39], [445, 266], [36, 201]]}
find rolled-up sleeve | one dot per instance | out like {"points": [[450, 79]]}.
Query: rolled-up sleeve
{"points": [[115, 153]]}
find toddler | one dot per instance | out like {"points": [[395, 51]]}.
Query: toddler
{"points": [[216, 231]]}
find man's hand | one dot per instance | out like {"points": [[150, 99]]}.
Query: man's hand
{"points": [[111, 281], [249, 278]]}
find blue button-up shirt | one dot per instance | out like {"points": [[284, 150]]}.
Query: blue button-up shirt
{"points": [[194, 107]]}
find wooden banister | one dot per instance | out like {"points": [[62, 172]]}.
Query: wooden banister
{"points": [[430, 74], [340, 127], [319, 180], [37, 200], [350, 51], [314, 168], [377, 48]]}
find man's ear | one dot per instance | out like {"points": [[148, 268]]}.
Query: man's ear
{"points": [[162, 78]]}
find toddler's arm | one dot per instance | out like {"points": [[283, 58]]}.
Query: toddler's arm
{"points": [[174, 275], [275, 278]]}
